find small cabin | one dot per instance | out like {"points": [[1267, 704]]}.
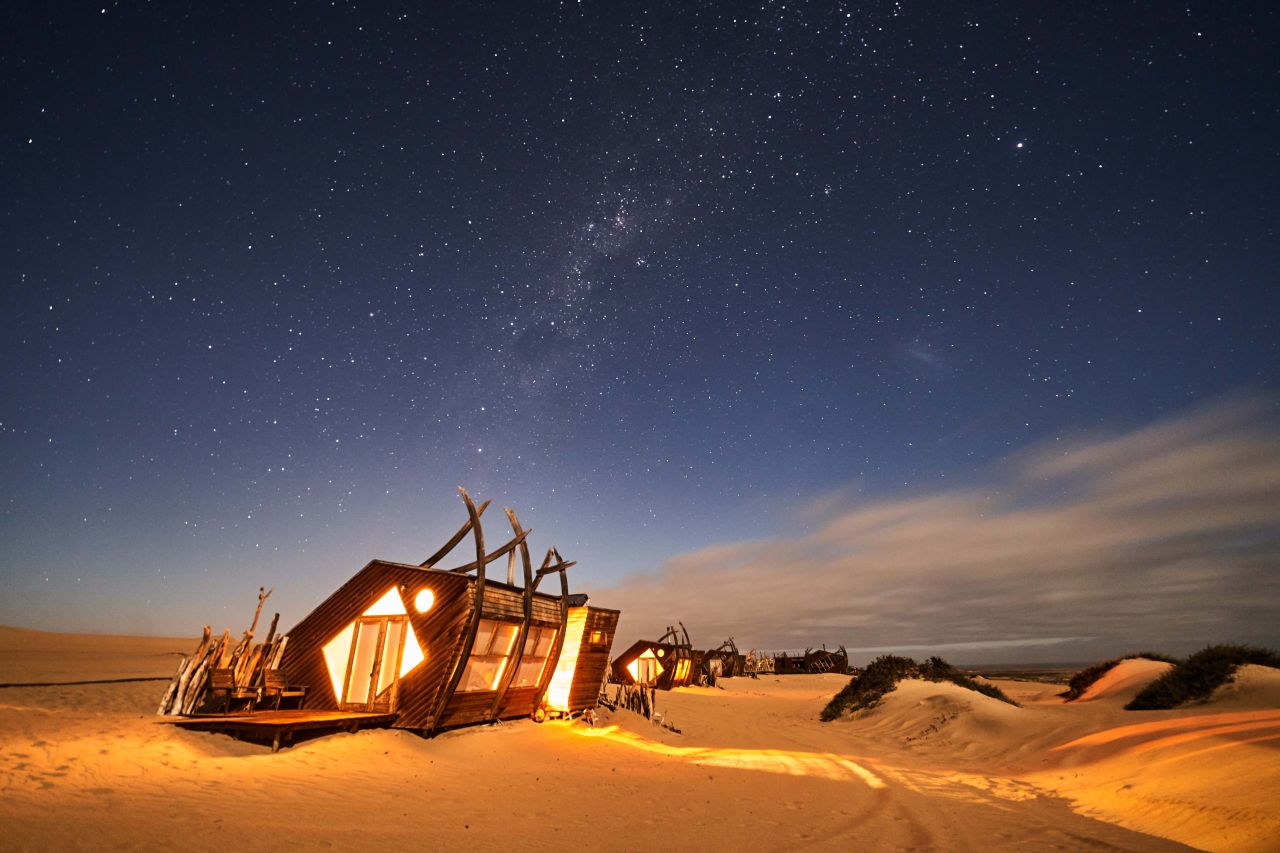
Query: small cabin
{"points": [[664, 664], [444, 647], [813, 661], [724, 661]]}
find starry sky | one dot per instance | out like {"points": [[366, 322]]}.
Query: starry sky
{"points": [[763, 313]]}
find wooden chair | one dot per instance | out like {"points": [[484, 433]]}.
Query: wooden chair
{"points": [[222, 683], [277, 688]]}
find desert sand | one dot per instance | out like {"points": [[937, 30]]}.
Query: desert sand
{"points": [[935, 767]]}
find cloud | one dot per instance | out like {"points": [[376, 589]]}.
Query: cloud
{"points": [[1168, 535]]}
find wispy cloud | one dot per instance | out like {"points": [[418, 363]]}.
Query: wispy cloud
{"points": [[1166, 535]]}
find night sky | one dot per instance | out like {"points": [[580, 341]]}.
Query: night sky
{"points": [[806, 322]]}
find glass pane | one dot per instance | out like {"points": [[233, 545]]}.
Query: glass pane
{"points": [[527, 675], [484, 633], [362, 663], [480, 674], [504, 639], [544, 642], [390, 651], [531, 641]]}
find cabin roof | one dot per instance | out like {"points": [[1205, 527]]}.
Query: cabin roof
{"points": [[432, 570]]}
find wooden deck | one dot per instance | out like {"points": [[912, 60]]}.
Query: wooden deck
{"points": [[279, 726]]}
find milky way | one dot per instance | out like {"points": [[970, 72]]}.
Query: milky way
{"points": [[279, 280]]}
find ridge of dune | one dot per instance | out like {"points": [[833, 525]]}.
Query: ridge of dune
{"points": [[28, 656], [940, 715], [1124, 680], [1251, 686]]}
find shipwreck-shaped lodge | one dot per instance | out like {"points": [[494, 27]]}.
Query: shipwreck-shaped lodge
{"points": [[724, 661], [812, 662], [671, 661], [448, 647]]}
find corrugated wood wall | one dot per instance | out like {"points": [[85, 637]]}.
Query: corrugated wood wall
{"points": [[438, 631], [519, 700], [506, 603], [593, 659], [464, 708]]}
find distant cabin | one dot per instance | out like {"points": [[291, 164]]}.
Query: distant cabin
{"points": [[450, 647], [723, 662], [662, 664], [813, 661]]}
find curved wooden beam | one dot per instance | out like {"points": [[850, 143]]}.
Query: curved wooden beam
{"points": [[469, 638], [453, 543], [554, 653], [514, 664], [486, 559]]}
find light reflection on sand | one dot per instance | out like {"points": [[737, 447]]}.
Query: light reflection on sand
{"points": [[837, 768]]}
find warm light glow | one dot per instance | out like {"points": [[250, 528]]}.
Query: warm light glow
{"points": [[413, 654], [424, 600], [389, 605], [567, 665], [682, 670], [506, 657], [787, 762], [490, 654], [336, 653], [645, 669]]}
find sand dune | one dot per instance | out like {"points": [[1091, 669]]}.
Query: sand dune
{"points": [[1124, 680], [28, 656], [934, 767]]}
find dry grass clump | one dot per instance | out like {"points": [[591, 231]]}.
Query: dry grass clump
{"points": [[1199, 675], [868, 688]]}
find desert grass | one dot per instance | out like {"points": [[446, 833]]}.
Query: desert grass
{"points": [[882, 675]]}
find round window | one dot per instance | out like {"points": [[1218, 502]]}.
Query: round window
{"points": [[423, 601]]}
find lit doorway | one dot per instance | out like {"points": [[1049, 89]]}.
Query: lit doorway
{"points": [[374, 665]]}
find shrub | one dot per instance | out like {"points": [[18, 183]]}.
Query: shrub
{"points": [[1199, 675], [1085, 678], [882, 675]]}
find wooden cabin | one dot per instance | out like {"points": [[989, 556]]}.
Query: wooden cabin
{"points": [[813, 661], [723, 661], [664, 664], [448, 647]]}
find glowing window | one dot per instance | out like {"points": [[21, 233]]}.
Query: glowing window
{"points": [[682, 670], [597, 638], [337, 652], [567, 665], [536, 648], [645, 669], [489, 655], [424, 600]]}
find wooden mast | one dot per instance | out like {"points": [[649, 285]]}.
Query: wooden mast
{"points": [[453, 543], [553, 657], [468, 640], [514, 665]]}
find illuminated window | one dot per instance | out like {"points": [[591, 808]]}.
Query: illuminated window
{"points": [[337, 652], [645, 669], [423, 601], [537, 646], [489, 655], [597, 638], [567, 664], [682, 670]]}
